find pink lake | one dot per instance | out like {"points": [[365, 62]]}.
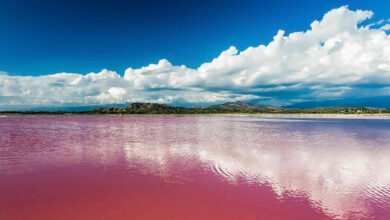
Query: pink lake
{"points": [[194, 167]]}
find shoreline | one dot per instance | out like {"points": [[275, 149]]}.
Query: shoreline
{"points": [[264, 115]]}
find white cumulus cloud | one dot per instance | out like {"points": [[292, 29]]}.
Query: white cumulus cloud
{"points": [[336, 57]]}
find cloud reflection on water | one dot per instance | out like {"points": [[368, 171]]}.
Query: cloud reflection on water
{"points": [[341, 166], [332, 163]]}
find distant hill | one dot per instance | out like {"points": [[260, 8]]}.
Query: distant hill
{"points": [[370, 102], [239, 105], [154, 108], [140, 108], [229, 107]]}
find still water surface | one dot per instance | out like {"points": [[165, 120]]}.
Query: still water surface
{"points": [[194, 167]]}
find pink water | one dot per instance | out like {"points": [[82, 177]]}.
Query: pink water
{"points": [[193, 167]]}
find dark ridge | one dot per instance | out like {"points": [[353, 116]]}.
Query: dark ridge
{"points": [[229, 107], [140, 108], [244, 105]]}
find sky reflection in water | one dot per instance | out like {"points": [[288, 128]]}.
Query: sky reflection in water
{"points": [[336, 168]]}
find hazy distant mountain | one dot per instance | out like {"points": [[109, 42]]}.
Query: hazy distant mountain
{"points": [[239, 105], [138, 108], [371, 102], [229, 107]]}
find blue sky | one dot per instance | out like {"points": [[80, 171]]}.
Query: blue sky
{"points": [[45, 37], [40, 38]]}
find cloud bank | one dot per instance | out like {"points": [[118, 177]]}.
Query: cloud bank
{"points": [[337, 58]]}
